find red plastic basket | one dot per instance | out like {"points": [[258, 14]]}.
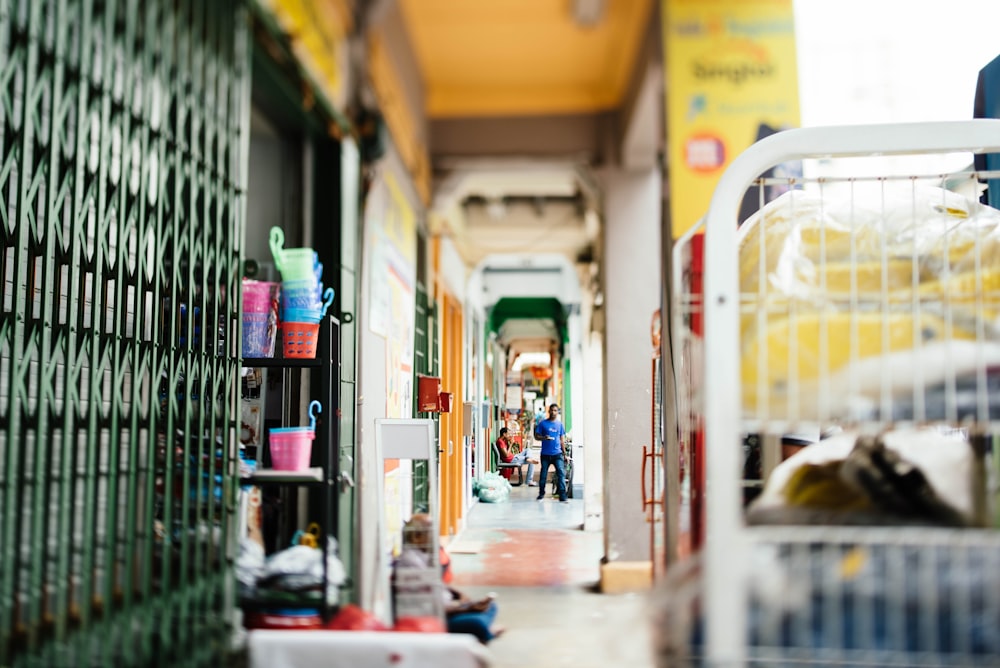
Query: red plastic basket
{"points": [[283, 622], [299, 339]]}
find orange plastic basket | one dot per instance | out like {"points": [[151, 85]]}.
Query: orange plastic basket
{"points": [[299, 339]]}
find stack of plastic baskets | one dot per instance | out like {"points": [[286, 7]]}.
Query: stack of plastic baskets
{"points": [[260, 317], [291, 447], [303, 300]]}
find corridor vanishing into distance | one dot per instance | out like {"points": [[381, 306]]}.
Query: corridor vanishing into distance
{"points": [[544, 569]]}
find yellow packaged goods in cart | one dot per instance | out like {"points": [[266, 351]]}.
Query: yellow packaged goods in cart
{"points": [[847, 288]]}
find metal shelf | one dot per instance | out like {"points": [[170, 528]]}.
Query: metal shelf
{"points": [[323, 496], [282, 363], [311, 476]]}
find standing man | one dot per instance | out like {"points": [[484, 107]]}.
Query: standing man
{"points": [[552, 434]]}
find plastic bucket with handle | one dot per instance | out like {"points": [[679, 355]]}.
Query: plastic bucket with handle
{"points": [[291, 447], [291, 451], [295, 264], [294, 315], [301, 294]]}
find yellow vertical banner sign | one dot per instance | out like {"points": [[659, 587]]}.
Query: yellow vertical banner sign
{"points": [[732, 78]]}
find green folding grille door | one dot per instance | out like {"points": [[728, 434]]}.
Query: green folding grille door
{"points": [[123, 126], [425, 362]]}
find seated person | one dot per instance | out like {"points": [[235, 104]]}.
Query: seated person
{"points": [[506, 456], [463, 615]]}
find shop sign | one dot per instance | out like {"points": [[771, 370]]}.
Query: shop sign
{"points": [[732, 77]]}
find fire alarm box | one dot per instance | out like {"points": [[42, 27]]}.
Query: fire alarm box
{"points": [[428, 394], [445, 402]]}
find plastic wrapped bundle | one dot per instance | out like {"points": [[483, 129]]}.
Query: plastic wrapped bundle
{"points": [[492, 488], [848, 292]]}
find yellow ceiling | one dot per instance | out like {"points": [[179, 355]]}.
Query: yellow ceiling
{"points": [[523, 57]]}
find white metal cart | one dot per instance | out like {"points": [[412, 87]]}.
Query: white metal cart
{"points": [[874, 322]]}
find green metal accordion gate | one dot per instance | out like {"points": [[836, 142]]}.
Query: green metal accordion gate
{"points": [[123, 130], [426, 357]]}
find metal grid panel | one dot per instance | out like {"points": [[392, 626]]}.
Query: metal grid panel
{"points": [[122, 131], [425, 362], [901, 597]]}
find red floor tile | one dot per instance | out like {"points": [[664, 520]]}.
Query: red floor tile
{"points": [[528, 558]]}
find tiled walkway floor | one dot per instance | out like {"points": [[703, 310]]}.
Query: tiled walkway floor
{"points": [[544, 569]]}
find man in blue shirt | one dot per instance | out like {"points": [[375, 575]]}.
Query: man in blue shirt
{"points": [[552, 434]]}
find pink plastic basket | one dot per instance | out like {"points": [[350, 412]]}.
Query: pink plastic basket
{"points": [[291, 449], [257, 296]]}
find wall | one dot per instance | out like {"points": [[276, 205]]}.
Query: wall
{"points": [[453, 272], [382, 371], [275, 187], [583, 136], [398, 92]]}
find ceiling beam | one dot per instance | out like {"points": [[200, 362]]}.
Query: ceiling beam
{"points": [[578, 137]]}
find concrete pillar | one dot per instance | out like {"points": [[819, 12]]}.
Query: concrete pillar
{"points": [[582, 472], [592, 396], [631, 280]]}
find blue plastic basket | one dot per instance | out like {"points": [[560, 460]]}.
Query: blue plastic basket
{"points": [[258, 335], [301, 315], [315, 408]]}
